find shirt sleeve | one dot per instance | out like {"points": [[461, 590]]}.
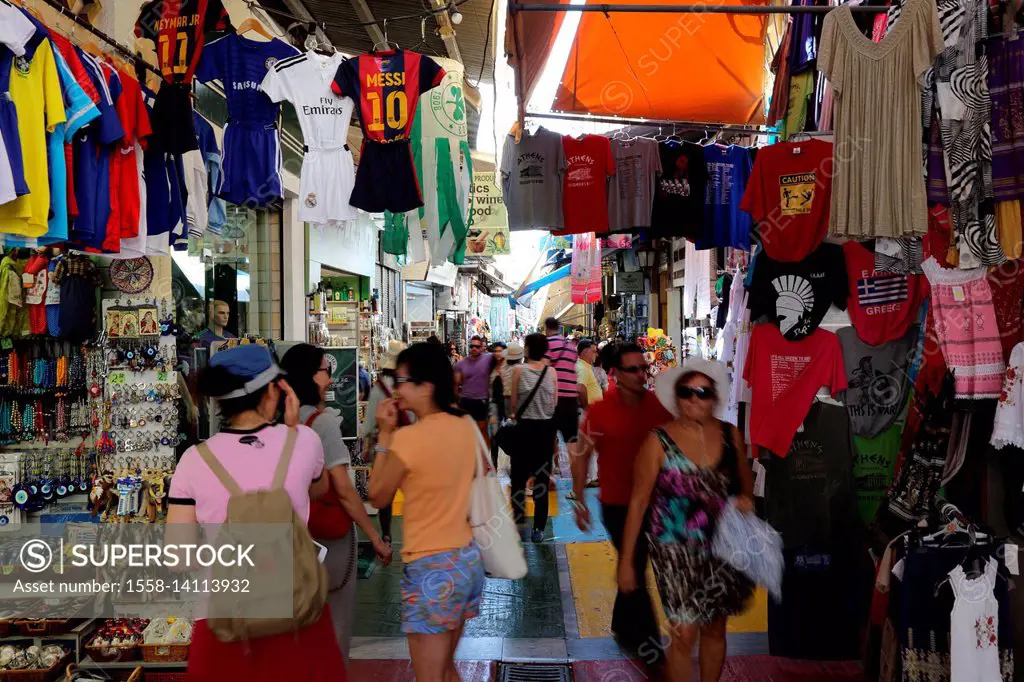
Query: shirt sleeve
{"points": [[830, 55], [609, 159], [929, 43], [274, 86], [346, 80], [753, 202], [52, 93], [508, 155], [761, 296], [149, 17], [79, 109], [749, 367], [15, 30], [182, 489], [336, 453], [211, 64], [431, 74], [401, 446], [837, 381]]}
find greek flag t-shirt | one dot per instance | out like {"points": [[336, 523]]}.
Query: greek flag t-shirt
{"points": [[883, 305]]}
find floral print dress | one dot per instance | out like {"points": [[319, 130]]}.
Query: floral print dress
{"points": [[696, 588]]}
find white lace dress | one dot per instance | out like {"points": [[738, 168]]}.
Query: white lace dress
{"points": [[1009, 422]]}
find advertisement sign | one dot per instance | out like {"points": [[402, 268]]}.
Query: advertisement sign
{"points": [[488, 235], [343, 393]]}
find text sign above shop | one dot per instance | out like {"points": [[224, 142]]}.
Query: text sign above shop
{"points": [[488, 235], [629, 282]]}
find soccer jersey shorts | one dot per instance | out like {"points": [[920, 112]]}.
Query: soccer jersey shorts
{"points": [[325, 187], [12, 144], [386, 180], [252, 164], [172, 119]]}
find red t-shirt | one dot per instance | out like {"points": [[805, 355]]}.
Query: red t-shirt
{"points": [[618, 430], [784, 377], [882, 305], [589, 164], [135, 121], [788, 194]]}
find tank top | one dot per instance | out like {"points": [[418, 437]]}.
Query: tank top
{"points": [[974, 626]]}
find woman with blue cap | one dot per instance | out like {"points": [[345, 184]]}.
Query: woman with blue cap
{"points": [[248, 386]]}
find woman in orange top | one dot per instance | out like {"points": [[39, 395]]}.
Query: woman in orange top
{"points": [[433, 462]]}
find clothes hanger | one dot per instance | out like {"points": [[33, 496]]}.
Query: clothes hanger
{"points": [[660, 137], [423, 44], [254, 24], [385, 42]]}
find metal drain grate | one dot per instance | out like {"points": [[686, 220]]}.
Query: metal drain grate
{"points": [[516, 672]]}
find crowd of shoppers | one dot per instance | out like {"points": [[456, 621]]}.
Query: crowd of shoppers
{"points": [[667, 463]]}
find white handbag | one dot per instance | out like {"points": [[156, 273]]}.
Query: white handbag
{"points": [[490, 517]]}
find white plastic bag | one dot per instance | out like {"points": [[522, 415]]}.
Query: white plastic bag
{"points": [[751, 546], [490, 517]]}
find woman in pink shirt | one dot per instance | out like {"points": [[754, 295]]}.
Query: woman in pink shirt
{"points": [[247, 385]]}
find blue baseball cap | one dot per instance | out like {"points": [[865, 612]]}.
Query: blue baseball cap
{"points": [[253, 363]]}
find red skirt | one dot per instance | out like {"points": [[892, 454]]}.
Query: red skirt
{"points": [[310, 655]]}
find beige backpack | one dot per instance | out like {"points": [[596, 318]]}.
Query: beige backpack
{"points": [[255, 600]]}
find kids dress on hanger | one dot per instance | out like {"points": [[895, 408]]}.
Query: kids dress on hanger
{"points": [[974, 626]]}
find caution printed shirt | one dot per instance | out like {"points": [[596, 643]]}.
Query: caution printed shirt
{"points": [[38, 99]]}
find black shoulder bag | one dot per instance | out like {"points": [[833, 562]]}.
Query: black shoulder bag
{"points": [[508, 436]]}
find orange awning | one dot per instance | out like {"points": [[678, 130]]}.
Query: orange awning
{"points": [[682, 67]]}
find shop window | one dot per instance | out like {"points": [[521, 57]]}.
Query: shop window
{"points": [[229, 285]]}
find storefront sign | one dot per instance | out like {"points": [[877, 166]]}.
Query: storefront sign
{"points": [[629, 282], [488, 235]]}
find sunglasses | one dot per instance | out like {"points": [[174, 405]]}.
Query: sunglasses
{"points": [[476, 347], [634, 369], [403, 380], [699, 392]]}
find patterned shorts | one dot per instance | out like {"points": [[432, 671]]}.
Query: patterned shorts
{"points": [[440, 591]]}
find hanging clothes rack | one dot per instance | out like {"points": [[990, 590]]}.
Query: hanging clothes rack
{"points": [[135, 59], [740, 129], [693, 9]]}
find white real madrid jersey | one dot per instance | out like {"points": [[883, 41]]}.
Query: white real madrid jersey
{"points": [[328, 173]]}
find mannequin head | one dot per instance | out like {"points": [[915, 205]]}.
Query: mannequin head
{"points": [[220, 314]]}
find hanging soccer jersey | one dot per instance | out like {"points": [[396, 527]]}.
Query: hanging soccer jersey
{"points": [[328, 172], [387, 86], [179, 29], [39, 103], [252, 142]]}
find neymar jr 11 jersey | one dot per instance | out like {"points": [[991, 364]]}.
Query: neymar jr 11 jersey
{"points": [[179, 28], [387, 86]]}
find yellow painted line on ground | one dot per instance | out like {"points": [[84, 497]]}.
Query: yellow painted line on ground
{"points": [[592, 574], [552, 501]]}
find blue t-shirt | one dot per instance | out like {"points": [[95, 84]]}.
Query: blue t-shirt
{"points": [[241, 65], [724, 223]]}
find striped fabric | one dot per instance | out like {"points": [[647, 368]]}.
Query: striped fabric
{"points": [[562, 356]]}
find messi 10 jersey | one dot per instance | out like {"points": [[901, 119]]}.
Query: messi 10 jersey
{"points": [[179, 28], [387, 87]]}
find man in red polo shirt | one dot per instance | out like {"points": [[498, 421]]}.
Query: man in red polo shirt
{"points": [[615, 428]]}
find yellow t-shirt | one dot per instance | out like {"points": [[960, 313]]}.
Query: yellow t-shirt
{"points": [[585, 376], [35, 91], [439, 453]]}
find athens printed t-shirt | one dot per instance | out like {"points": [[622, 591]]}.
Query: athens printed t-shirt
{"points": [[589, 164], [531, 180], [882, 305], [798, 294], [784, 377], [878, 380], [788, 196], [874, 460]]}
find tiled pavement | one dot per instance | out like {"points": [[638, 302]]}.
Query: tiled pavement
{"points": [[560, 613]]}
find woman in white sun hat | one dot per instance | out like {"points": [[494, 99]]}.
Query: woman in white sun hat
{"points": [[685, 473]]}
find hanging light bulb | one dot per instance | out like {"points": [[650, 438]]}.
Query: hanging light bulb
{"points": [[456, 16]]}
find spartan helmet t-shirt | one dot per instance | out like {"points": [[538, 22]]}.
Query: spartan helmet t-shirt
{"points": [[877, 378], [797, 295]]}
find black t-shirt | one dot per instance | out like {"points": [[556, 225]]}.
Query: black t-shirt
{"points": [[797, 295], [679, 196]]}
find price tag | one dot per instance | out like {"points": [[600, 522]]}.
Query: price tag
{"points": [[161, 376], [958, 294], [117, 378]]}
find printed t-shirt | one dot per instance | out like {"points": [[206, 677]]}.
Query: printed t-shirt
{"points": [[179, 29], [725, 224], [589, 164], [562, 356], [788, 195], [476, 376], [882, 305], [241, 65], [618, 431], [531, 180], [585, 377], [439, 453], [798, 294], [681, 188], [251, 457], [631, 198], [878, 380], [874, 460], [38, 99], [784, 377], [15, 29]]}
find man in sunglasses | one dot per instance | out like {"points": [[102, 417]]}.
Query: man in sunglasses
{"points": [[615, 428], [472, 381]]}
